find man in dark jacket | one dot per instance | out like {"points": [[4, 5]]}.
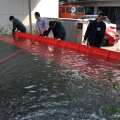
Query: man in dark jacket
{"points": [[57, 29], [17, 25], [95, 32]]}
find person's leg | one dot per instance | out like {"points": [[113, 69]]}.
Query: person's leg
{"points": [[63, 38], [90, 43], [97, 43], [13, 35]]}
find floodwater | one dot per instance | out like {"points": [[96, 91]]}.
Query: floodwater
{"points": [[43, 82]]}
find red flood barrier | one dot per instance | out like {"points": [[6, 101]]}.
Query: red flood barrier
{"points": [[94, 52]]}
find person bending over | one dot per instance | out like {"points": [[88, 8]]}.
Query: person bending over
{"points": [[57, 29], [17, 25]]}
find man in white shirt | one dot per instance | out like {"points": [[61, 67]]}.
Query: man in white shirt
{"points": [[41, 24]]}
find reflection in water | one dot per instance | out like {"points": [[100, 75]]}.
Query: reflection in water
{"points": [[58, 84]]}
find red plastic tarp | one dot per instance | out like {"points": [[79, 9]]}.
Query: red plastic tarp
{"points": [[92, 51]]}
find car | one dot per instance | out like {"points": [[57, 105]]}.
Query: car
{"points": [[111, 29]]}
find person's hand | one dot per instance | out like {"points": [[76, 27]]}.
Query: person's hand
{"points": [[45, 33], [13, 34], [84, 42], [58, 39]]}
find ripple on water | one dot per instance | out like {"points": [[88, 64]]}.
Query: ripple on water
{"points": [[60, 86], [30, 87]]}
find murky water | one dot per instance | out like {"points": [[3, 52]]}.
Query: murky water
{"points": [[58, 84]]}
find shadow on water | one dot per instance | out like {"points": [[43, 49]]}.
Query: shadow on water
{"points": [[58, 84]]}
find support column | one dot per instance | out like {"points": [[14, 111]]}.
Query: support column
{"points": [[30, 16], [95, 10]]}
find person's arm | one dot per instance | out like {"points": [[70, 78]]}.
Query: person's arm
{"points": [[14, 27], [46, 32], [104, 28], [87, 31], [45, 25], [37, 28], [103, 31]]}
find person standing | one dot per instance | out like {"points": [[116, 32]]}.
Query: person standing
{"points": [[41, 24], [95, 32], [58, 30]]}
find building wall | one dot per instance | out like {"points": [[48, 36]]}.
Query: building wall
{"points": [[108, 3], [19, 9], [110, 7], [11, 7]]}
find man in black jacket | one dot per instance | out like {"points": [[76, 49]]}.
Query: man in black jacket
{"points": [[17, 25], [95, 32], [57, 29]]}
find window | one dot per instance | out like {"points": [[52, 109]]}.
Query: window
{"points": [[89, 10]]}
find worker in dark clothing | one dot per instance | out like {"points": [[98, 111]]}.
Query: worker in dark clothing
{"points": [[95, 32], [57, 29], [17, 25]]}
